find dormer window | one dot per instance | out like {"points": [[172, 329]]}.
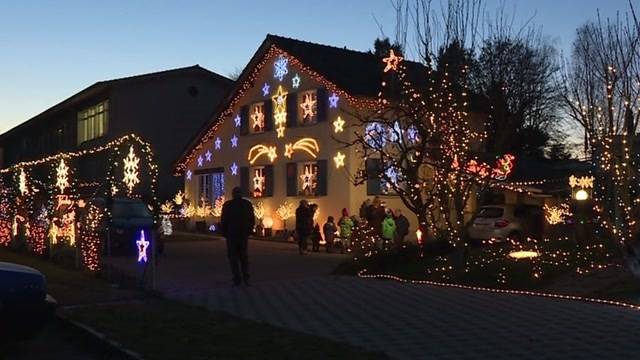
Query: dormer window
{"points": [[93, 122]]}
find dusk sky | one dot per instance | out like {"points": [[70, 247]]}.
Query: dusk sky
{"points": [[50, 50]]}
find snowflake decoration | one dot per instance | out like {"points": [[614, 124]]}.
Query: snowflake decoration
{"points": [[238, 120], [295, 82], [62, 176], [280, 68], [265, 89], [234, 141], [131, 162], [374, 135], [200, 161], [142, 244], [234, 169], [218, 143], [333, 100], [207, 155]]}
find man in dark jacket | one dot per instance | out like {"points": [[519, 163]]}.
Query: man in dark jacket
{"points": [[237, 222], [304, 225], [402, 227]]}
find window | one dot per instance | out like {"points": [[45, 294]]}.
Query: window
{"points": [[211, 186], [204, 192], [308, 178], [258, 181], [257, 118], [307, 107], [93, 121]]}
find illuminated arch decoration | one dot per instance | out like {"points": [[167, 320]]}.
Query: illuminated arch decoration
{"points": [[131, 171], [308, 145], [280, 67], [280, 110], [258, 150], [392, 61]]}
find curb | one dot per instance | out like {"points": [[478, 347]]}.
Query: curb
{"points": [[98, 337]]}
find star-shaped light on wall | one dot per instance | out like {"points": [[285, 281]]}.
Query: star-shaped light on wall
{"points": [[288, 150], [238, 120], [333, 100], [200, 161], [339, 160], [189, 174], [234, 169], [308, 106], [295, 82], [142, 247], [392, 61], [265, 89], [234, 141], [338, 125], [272, 153], [218, 143], [207, 155], [280, 131]]}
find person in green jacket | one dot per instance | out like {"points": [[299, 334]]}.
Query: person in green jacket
{"points": [[388, 230], [346, 228]]}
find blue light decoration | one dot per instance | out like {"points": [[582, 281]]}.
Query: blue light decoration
{"points": [[189, 174], [234, 169], [200, 161], [238, 120], [295, 82], [207, 155], [142, 244], [395, 132], [265, 89], [212, 228], [333, 101], [392, 174], [280, 68], [234, 141], [218, 143], [412, 134], [374, 135]]}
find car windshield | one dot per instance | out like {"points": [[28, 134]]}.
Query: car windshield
{"points": [[490, 212], [130, 210]]}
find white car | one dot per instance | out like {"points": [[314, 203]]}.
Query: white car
{"points": [[499, 223]]}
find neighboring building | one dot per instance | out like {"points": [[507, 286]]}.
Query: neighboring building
{"points": [[164, 108], [274, 135]]}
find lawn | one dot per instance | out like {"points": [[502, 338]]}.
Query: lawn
{"points": [[162, 329]]}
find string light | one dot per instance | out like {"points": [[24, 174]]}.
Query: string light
{"points": [[308, 145], [257, 151]]}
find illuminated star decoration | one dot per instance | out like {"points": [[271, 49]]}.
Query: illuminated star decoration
{"points": [[280, 67], [258, 184], [258, 119], [392, 61], [234, 141], [189, 173], [295, 82], [333, 100], [234, 169], [265, 89], [200, 161], [62, 176], [237, 120], [142, 247], [338, 125], [288, 150], [207, 155], [218, 143], [280, 110], [339, 160], [392, 174], [307, 179], [412, 134], [272, 153], [280, 132], [130, 178], [308, 106]]}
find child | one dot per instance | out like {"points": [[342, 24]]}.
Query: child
{"points": [[329, 229], [346, 228], [388, 230], [315, 238]]}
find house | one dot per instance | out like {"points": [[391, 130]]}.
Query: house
{"points": [[164, 108], [275, 134]]}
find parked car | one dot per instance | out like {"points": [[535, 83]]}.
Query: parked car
{"points": [[499, 223], [128, 218], [25, 306]]}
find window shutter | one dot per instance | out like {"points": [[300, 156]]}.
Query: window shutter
{"points": [[244, 120], [292, 179], [373, 181], [292, 110], [268, 115], [322, 177], [268, 180], [321, 98], [244, 181]]}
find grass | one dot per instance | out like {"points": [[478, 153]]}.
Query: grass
{"points": [[162, 329]]}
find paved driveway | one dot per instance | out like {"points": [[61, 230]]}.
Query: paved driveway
{"points": [[404, 320]]}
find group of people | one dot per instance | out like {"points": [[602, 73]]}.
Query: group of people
{"points": [[392, 227]]}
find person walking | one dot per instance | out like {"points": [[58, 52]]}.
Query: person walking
{"points": [[388, 230], [304, 225], [329, 229], [237, 222], [346, 225], [402, 227]]}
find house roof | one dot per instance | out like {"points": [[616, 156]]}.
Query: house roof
{"points": [[355, 73], [102, 86]]}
